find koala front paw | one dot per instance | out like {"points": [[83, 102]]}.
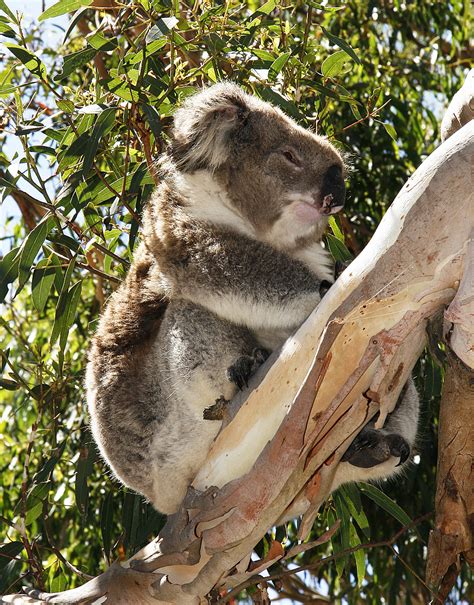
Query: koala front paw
{"points": [[372, 447], [245, 366], [217, 411], [324, 287]]}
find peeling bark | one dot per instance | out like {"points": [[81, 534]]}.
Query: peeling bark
{"points": [[452, 538]]}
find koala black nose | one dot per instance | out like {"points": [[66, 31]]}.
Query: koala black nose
{"points": [[333, 191]]}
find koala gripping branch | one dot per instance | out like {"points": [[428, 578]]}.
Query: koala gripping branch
{"points": [[278, 455]]}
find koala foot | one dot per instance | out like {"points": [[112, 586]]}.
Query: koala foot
{"points": [[245, 366], [372, 447], [217, 411]]}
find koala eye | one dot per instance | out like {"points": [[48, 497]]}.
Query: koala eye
{"points": [[291, 157]]}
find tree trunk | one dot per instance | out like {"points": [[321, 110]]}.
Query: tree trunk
{"points": [[452, 539], [280, 450]]}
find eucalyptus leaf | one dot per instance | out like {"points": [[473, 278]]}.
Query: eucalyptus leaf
{"points": [[74, 61], [62, 7], [389, 505], [104, 124], [30, 248], [335, 64], [42, 282], [31, 61]]}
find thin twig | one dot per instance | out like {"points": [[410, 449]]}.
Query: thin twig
{"points": [[370, 114], [387, 543]]}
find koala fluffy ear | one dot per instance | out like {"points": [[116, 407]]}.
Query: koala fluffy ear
{"points": [[204, 125]]}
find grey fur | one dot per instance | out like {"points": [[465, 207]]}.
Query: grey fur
{"points": [[230, 261]]}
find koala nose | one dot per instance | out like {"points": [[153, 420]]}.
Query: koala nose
{"points": [[333, 191]]}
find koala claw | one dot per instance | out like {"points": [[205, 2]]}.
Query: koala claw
{"points": [[372, 447], [217, 411], [398, 447], [245, 366]]}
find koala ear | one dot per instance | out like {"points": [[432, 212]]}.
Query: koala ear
{"points": [[204, 125]]}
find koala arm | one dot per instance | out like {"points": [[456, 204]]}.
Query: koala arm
{"points": [[246, 281]]}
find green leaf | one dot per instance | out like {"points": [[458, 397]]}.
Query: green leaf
{"points": [[153, 119], [266, 8], [335, 64], [7, 90], [338, 249], [4, 355], [7, 11], [45, 471], [122, 88], [74, 61], [95, 108], [29, 60], [73, 21], [9, 385], [61, 304], [71, 300], [8, 271], [57, 579], [390, 131], [33, 513], [62, 7], [105, 123], [359, 555], [6, 30], [30, 248], [9, 551], [335, 229], [385, 502], [100, 42], [23, 129], [66, 106], [342, 45], [106, 518], [344, 531], [43, 280], [353, 502], [131, 518], [150, 49], [98, 193], [264, 55], [277, 65], [84, 469]]}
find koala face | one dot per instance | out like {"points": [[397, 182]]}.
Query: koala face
{"points": [[279, 178]]}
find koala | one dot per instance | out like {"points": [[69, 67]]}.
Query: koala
{"points": [[229, 265]]}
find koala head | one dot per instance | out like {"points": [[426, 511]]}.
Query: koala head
{"points": [[245, 163]]}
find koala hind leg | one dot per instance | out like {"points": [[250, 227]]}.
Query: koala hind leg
{"points": [[194, 349], [375, 454]]}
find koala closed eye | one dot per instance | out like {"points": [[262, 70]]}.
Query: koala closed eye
{"points": [[291, 157]]}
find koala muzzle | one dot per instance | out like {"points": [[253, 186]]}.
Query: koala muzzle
{"points": [[333, 191]]}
